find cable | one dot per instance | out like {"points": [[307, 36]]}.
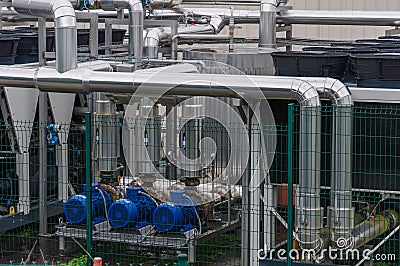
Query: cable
{"points": [[105, 204], [144, 193], [195, 210]]}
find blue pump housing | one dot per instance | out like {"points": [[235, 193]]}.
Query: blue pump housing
{"points": [[178, 215], [75, 207], [135, 210]]}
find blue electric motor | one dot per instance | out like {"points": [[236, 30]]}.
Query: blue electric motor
{"points": [[178, 215], [75, 208], [135, 210]]}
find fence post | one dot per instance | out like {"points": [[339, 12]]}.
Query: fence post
{"points": [[290, 182], [88, 191]]}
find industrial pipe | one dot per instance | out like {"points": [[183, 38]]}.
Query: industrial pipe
{"points": [[339, 17], [136, 17], [267, 32], [65, 27], [373, 228], [316, 17], [155, 35], [341, 211]]}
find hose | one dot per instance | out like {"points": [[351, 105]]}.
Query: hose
{"points": [[105, 204], [195, 210], [144, 193]]}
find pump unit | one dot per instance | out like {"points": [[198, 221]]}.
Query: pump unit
{"points": [[75, 208], [133, 211], [179, 214]]}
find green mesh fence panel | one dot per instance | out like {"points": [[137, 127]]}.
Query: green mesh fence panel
{"points": [[209, 227]]}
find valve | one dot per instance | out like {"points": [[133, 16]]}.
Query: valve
{"points": [[52, 134]]}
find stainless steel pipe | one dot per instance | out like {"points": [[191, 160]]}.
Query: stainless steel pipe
{"points": [[341, 211], [65, 27], [136, 20], [155, 35], [267, 32]]}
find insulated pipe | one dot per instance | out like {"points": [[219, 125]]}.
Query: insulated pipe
{"points": [[373, 228], [341, 212], [317, 17], [64, 23], [155, 35], [267, 31], [86, 81], [339, 17], [136, 17]]}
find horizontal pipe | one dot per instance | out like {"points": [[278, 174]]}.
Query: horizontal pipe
{"points": [[86, 81], [339, 17], [200, 37], [316, 17]]}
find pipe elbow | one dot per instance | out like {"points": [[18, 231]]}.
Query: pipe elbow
{"points": [[152, 37], [218, 23], [135, 5], [305, 93], [61, 10], [338, 92], [131, 5]]}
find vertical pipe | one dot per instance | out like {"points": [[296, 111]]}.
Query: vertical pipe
{"points": [[43, 109], [267, 24], [308, 208], [341, 212], [136, 18], [290, 181], [88, 191], [174, 42]]}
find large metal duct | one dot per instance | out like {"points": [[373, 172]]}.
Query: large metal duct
{"points": [[341, 212], [153, 36], [136, 17], [64, 23]]}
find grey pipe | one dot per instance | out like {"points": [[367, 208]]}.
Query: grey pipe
{"points": [[136, 17], [65, 27], [341, 212], [267, 29], [155, 35], [339, 17], [317, 17]]}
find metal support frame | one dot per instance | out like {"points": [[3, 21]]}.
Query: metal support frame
{"points": [[42, 40], [288, 34], [108, 30], [43, 110], [245, 251], [94, 26]]}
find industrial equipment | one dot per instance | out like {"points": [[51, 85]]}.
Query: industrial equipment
{"points": [[135, 210], [75, 209]]}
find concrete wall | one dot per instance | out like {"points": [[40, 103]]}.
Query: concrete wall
{"points": [[342, 32]]}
